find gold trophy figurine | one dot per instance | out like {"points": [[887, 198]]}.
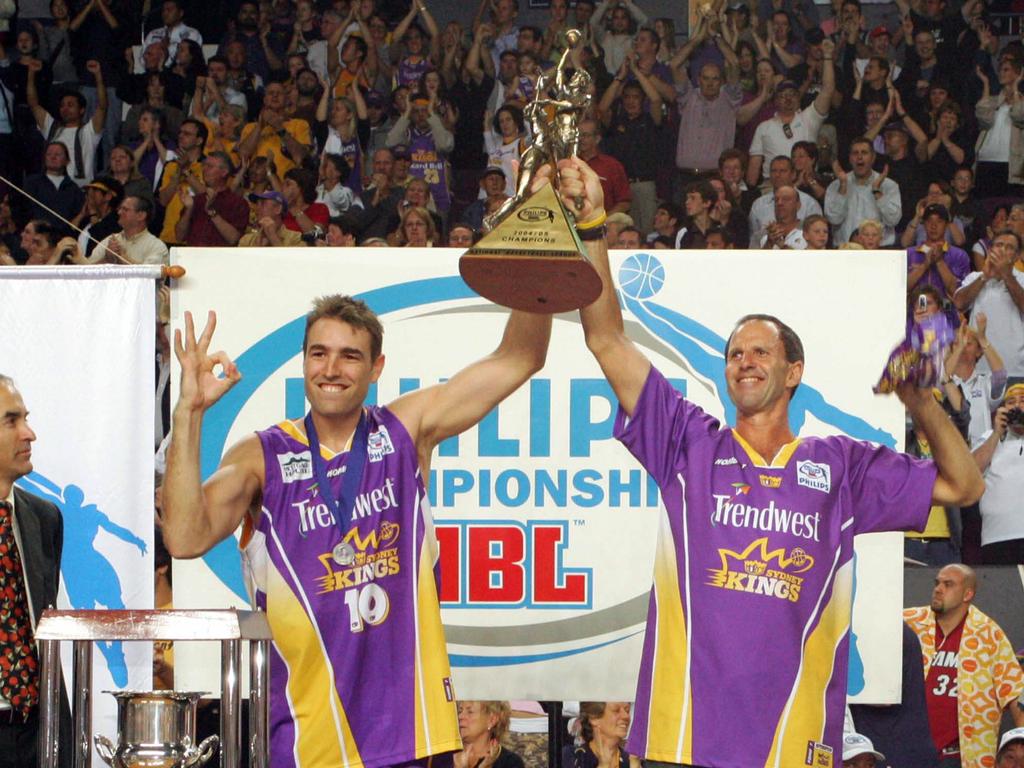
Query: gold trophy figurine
{"points": [[531, 257]]}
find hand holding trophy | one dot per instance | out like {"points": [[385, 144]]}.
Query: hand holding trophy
{"points": [[531, 257]]}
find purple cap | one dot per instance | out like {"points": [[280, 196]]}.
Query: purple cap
{"points": [[277, 197]]}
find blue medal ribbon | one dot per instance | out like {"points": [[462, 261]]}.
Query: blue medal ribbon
{"points": [[354, 465]]}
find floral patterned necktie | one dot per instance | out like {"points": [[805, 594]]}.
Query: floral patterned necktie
{"points": [[19, 665]]}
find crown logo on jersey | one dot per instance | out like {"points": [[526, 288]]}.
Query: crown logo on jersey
{"points": [[758, 571]]}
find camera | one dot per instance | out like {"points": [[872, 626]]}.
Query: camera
{"points": [[1015, 417], [316, 233]]}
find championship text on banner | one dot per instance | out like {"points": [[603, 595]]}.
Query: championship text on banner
{"points": [[546, 525], [79, 344]]}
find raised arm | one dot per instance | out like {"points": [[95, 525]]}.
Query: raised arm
{"points": [[197, 515], [623, 364], [32, 94], [823, 101], [436, 413], [100, 115], [959, 482]]}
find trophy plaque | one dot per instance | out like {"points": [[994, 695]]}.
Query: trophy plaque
{"points": [[531, 257]]}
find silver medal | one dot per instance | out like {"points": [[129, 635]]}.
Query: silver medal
{"points": [[344, 554]]}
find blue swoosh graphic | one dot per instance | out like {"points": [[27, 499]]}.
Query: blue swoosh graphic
{"points": [[467, 660]]}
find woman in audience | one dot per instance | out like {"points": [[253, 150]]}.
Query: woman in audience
{"points": [[345, 133], [482, 724], [979, 251], [603, 726], [805, 162], [433, 87], [505, 141], [666, 29], [154, 149], [758, 106], [123, 168], [947, 147], [417, 229], [746, 59], [332, 190], [189, 64], [224, 134], [170, 115]]}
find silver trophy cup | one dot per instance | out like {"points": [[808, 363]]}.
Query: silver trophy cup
{"points": [[156, 729]]}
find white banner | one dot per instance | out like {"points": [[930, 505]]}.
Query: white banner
{"points": [[546, 524], [79, 344]]}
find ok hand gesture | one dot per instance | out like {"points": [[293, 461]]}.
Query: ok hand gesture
{"points": [[200, 386]]}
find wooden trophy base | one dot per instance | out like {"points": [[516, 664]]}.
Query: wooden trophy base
{"points": [[533, 260]]}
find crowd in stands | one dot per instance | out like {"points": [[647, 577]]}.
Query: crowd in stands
{"points": [[124, 130]]}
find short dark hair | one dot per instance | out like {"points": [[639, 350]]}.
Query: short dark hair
{"points": [[807, 146], [733, 153], [347, 224], [306, 181], [77, 96], [703, 188], [535, 32], [863, 140], [143, 205], [794, 348], [339, 162], [351, 312], [201, 128]]}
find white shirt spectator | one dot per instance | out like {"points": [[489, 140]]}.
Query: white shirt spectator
{"points": [[846, 212], [1001, 519], [982, 400], [1005, 323], [338, 200], [771, 140], [794, 240], [89, 140], [143, 248], [173, 36], [763, 211]]}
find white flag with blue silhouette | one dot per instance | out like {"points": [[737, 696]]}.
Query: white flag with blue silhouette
{"points": [[79, 344]]}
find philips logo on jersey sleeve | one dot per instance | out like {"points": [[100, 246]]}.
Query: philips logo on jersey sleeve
{"points": [[295, 466], [815, 476], [379, 445]]}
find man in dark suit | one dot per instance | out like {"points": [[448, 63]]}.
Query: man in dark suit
{"points": [[31, 537]]}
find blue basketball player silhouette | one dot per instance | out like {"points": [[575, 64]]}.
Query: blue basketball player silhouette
{"points": [[89, 578], [642, 276]]}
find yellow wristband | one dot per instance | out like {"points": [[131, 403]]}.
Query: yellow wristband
{"points": [[593, 224]]}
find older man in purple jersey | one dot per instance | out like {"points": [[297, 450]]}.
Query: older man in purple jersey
{"points": [[754, 562], [338, 541]]}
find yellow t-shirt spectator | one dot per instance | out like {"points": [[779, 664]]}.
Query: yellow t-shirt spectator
{"points": [[271, 144], [172, 211]]}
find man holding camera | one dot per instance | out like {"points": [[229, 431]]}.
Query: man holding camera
{"points": [[999, 459]]}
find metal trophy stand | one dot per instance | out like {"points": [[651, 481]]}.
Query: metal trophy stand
{"points": [[230, 627]]}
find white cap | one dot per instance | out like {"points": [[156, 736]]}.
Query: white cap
{"points": [[1014, 734], [854, 744]]}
